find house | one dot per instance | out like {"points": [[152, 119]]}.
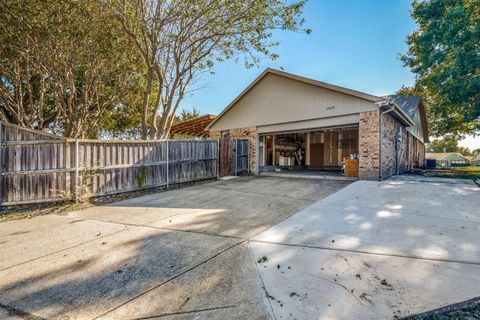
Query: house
{"points": [[448, 159], [296, 122], [192, 128], [475, 160]]}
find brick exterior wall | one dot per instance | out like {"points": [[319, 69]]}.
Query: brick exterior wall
{"points": [[390, 126], [411, 150], [214, 134], [368, 145], [249, 133]]}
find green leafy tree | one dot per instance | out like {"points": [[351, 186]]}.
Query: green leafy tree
{"points": [[464, 151], [64, 65], [444, 52], [433, 122], [447, 144], [186, 115], [179, 40]]}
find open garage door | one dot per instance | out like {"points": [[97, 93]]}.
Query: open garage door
{"points": [[322, 149]]}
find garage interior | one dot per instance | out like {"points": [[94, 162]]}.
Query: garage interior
{"points": [[332, 151]]}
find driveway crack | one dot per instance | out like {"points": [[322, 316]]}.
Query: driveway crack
{"points": [[263, 283], [185, 312], [170, 279], [401, 212], [68, 248], [263, 193], [365, 252]]}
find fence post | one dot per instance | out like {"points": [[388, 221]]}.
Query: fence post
{"points": [[218, 159], [1, 148], [77, 177], [257, 153], [168, 163], [236, 156], [1, 159], [66, 165], [248, 156]]}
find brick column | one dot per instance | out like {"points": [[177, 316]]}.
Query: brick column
{"points": [[369, 145]]}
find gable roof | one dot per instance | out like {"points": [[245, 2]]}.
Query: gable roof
{"points": [[292, 76], [476, 158], [440, 156], [409, 104], [405, 107], [437, 155]]}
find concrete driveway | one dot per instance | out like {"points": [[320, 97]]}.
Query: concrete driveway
{"points": [[250, 248], [375, 250], [180, 254]]}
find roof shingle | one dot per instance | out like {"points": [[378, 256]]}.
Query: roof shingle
{"points": [[409, 104]]}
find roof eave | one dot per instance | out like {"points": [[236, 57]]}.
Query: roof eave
{"points": [[317, 83], [401, 115], [424, 120], [326, 85], [231, 104]]}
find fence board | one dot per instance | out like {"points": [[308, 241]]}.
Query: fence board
{"points": [[54, 169], [241, 155]]}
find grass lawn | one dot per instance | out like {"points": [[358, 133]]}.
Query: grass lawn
{"points": [[455, 172], [470, 311], [474, 169]]}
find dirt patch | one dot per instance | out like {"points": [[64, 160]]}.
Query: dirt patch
{"points": [[262, 259]]}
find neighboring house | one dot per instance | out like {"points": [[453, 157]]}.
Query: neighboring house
{"points": [[292, 121], [475, 160], [192, 128], [448, 159]]}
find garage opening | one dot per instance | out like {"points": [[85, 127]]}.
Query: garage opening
{"points": [[330, 151]]}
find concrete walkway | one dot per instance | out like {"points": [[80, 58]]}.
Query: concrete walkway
{"points": [[180, 254], [375, 250]]}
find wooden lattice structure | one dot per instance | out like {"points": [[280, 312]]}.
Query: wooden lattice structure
{"points": [[192, 128]]}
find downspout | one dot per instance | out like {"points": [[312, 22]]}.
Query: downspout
{"points": [[381, 137]]}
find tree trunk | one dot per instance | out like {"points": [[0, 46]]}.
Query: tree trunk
{"points": [[163, 129], [146, 102]]}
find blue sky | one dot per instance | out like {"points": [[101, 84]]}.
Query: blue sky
{"points": [[354, 43]]}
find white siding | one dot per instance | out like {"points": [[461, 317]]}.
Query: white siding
{"points": [[417, 130]]}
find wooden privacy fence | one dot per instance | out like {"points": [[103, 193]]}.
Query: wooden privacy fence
{"points": [[226, 156], [234, 156], [40, 167]]}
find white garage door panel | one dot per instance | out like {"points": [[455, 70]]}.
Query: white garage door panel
{"points": [[310, 124]]}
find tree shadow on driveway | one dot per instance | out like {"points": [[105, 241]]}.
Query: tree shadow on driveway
{"points": [[90, 280]]}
